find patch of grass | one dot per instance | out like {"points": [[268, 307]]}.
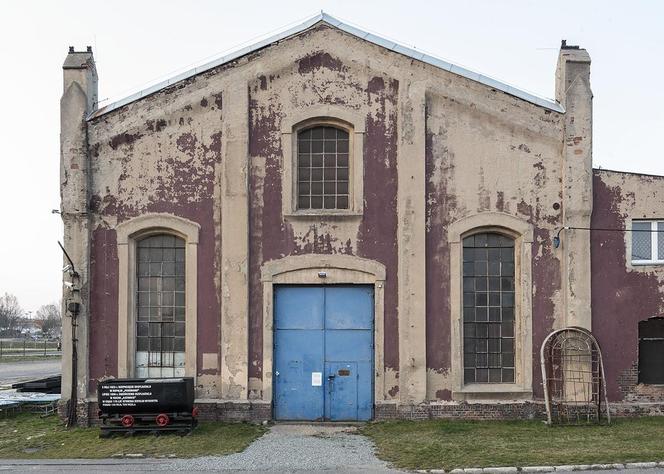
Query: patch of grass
{"points": [[30, 436], [443, 444]]}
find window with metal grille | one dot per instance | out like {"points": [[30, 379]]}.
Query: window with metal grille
{"points": [[160, 305], [651, 351], [647, 242], [322, 168], [488, 308]]}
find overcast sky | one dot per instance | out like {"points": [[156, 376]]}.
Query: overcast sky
{"points": [[138, 42]]}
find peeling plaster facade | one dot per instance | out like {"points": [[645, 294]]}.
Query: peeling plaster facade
{"points": [[436, 155]]}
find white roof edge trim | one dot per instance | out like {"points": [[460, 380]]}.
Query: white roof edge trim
{"points": [[352, 30]]}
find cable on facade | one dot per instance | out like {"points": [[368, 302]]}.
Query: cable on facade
{"points": [[556, 239]]}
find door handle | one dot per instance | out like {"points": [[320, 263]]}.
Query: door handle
{"points": [[276, 373], [331, 377]]}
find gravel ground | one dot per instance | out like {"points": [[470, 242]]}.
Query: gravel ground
{"points": [[298, 448], [284, 449]]}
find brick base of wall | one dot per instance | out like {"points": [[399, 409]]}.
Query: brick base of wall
{"points": [[635, 393], [461, 410], [258, 411], [252, 410]]}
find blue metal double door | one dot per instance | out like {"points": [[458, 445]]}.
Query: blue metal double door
{"points": [[323, 352]]}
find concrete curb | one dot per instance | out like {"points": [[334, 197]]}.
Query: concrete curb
{"points": [[564, 468]]}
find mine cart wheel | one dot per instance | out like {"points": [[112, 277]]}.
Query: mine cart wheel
{"points": [[104, 434], [129, 433], [155, 433], [127, 421], [162, 420]]}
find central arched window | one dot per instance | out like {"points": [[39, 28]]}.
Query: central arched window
{"points": [[160, 305], [323, 168], [488, 308]]}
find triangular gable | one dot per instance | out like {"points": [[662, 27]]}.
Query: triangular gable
{"points": [[354, 31]]}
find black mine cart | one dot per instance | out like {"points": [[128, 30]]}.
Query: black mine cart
{"points": [[147, 405]]}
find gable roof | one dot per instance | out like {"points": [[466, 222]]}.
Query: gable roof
{"points": [[352, 30]]}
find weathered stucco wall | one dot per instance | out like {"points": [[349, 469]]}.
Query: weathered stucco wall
{"points": [[154, 157], [484, 151], [487, 152], [624, 294]]}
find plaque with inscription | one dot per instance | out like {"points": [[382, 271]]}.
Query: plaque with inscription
{"points": [[146, 395]]}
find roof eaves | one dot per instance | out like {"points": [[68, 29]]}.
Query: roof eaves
{"points": [[357, 32]]}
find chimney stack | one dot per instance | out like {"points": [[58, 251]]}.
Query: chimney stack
{"points": [[79, 99], [574, 94]]}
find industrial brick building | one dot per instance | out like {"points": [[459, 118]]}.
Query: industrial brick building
{"points": [[328, 225]]}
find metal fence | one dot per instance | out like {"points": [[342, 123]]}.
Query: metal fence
{"points": [[28, 348]]}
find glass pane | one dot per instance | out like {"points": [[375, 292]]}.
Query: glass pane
{"points": [[660, 240], [178, 344], [469, 375], [641, 243], [303, 202], [304, 160]]}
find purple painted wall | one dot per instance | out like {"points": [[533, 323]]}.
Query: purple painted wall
{"points": [[103, 306], [621, 297]]}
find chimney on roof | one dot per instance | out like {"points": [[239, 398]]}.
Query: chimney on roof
{"points": [[574, 93], [79, 67], [573, 65]]}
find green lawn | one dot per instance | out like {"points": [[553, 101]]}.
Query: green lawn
{"points": [[454, 444], [29, 436]]}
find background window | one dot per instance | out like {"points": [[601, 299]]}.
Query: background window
{"points": [[488, 308], [648, 241], [160, 305], [651, 351], [322, 168]]}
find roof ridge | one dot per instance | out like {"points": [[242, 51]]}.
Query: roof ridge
{"points": [[347, 28]]}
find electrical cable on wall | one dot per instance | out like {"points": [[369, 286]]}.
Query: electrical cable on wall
{"points": [[556, 239], [73, 307]]}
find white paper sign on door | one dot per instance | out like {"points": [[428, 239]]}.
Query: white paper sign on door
{"points": [[316, 379]]}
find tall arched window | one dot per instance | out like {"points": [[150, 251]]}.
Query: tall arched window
{"points": [[160, 306], [323, 168], [488, 308]]}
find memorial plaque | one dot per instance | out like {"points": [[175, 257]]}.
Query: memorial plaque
{"points": [[146, 395]]}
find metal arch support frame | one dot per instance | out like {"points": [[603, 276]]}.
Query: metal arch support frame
{"points": [[545, 380]]}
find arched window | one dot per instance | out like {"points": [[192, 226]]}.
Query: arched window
{"points": [[160, 306], [488, 308], [323, 168]]}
